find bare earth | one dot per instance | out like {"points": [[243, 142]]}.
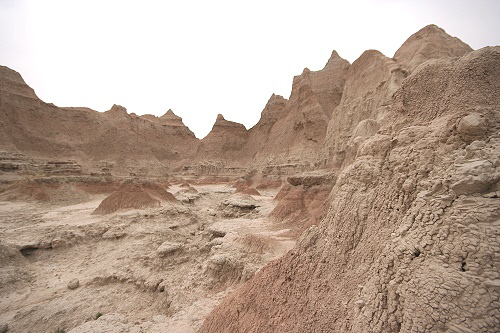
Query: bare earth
{"points": [[166, 268]]}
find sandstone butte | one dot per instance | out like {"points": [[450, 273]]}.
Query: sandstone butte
{"points": [[387, 170]]}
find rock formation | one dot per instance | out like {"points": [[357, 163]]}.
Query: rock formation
{"points": [[428, 43], [294, 130], [391, 177], [409, 242], [224, 142], [132, 143]]}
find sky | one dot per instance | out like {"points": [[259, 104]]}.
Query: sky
{"points": [[202, 58]]}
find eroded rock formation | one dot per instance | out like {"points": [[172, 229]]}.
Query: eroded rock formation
{"points": [[389, 164], [409, 242]]}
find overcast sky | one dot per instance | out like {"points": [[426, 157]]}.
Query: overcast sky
{"points": [[201, 58]]}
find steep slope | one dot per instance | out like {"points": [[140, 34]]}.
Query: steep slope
{"points": [[371, 81], [410, 241], [293, 130]]}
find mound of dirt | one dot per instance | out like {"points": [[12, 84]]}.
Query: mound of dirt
{"points": [[134, 196]]}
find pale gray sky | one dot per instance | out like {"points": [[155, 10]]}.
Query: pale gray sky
{"points": [[201, 58]]}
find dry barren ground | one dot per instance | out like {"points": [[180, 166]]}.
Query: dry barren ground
{"points": [[153, 270]]}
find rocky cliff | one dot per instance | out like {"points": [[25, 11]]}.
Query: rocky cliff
{"points": [[409, 243], [293, 131]]}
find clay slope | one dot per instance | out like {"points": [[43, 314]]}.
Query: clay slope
{"points": [[39, 129], [410, 242]]}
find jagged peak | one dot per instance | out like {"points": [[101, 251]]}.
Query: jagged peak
{"points": [[118, 109], [221, 122], [274, 107], [334, 60], [276, 98], [170, 115], [368, 57]]}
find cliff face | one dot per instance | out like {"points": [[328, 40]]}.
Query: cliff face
{"points": [[289, 131], [295, 129], [409, 243], [39, 129]]}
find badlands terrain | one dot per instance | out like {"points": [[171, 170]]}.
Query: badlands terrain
{"points": [[368, 201]]}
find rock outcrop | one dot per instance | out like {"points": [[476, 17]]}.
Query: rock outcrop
{"points": [[410, 240]]}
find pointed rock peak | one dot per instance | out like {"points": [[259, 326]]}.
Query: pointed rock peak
{"points": [[118, 109], [275, 98], [430, 42], [223, 124], [336, 61], [334, 58], [274, 107], [171, 119], [273, 101], [306, 71], [170, 115], [430, 30]]}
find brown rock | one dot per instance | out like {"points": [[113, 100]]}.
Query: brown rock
{"points": [[73, 284]]}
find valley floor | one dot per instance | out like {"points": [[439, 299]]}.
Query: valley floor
{"points": [[154, 270]]}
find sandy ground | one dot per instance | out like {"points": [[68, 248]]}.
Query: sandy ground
{"points": [[152, 270]]}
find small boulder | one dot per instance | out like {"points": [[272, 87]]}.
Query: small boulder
{"points": [[73, 284], [169, 248], [472, 125]]}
